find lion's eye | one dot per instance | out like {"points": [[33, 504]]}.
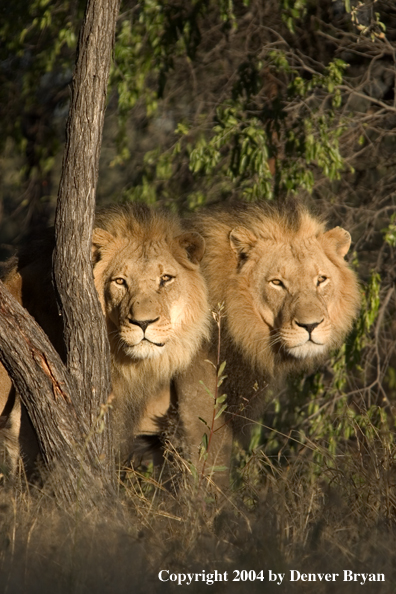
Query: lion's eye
{"points": [[120, 281], [276, 282], [321, 280], [166, 278]]}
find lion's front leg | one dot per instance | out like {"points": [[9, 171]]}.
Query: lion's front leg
{"points": [[208, 440]]}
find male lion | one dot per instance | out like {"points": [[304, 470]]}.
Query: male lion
{"points": [[146, 271], [289, 298]]}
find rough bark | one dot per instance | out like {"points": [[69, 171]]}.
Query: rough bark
{"points": [[44, 385], [84, 327], [67, 403]]}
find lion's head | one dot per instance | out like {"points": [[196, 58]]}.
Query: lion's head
{"points": [[146, 271], [289, 294]]}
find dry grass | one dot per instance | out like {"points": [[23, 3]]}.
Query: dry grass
{"points": [[281, 516]]}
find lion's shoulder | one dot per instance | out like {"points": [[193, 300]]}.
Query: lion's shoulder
{"points": [[28, 277]]}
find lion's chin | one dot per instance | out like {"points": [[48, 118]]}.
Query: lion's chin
{"points": [[144, 350], [308, 350]]}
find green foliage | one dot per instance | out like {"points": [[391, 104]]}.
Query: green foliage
{"points": [[146, 46], [244, 143], [293, 10], [367, 21], [258, 150], [390, 231], [250, 144], [368, 314], [51, 30], [37, 54]]}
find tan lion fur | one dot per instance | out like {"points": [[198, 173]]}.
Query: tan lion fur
{"points": [[146, 269], [289, 297], [144, 244]]}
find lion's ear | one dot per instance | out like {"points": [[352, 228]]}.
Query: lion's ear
{"points": [[194, 244], [100, 239], [339, 239], [242, 241]]}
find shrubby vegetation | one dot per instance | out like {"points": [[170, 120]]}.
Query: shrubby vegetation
{"points": [[212, 102]]}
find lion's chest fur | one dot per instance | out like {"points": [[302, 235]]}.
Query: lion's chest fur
{"points": [[136, 404], [250, 388]]}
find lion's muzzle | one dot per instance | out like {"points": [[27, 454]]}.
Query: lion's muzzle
{"points": [[309, 327], [144, 331], [143, 325], [306, 338]]}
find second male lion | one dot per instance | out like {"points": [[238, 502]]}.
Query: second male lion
{"points": [[154, 298], [289, 297]]}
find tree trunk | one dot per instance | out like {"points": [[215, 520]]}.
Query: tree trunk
{"points": [[67, 405], [88, 358]]}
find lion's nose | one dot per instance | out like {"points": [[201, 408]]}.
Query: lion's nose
{"points": [[309, 327], [142, 323]]}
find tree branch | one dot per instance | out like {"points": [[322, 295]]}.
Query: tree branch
{"points": [[43, 384]]}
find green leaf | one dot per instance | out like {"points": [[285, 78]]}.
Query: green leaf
{"points": [[194, 471], [204, 422], [221, 399], [220, 411], [218, 468], [204, 442], [221, 368], [206, 389], [221, 380]]}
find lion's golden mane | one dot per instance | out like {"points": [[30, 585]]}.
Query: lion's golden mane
{"points": [[289, 298]]}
